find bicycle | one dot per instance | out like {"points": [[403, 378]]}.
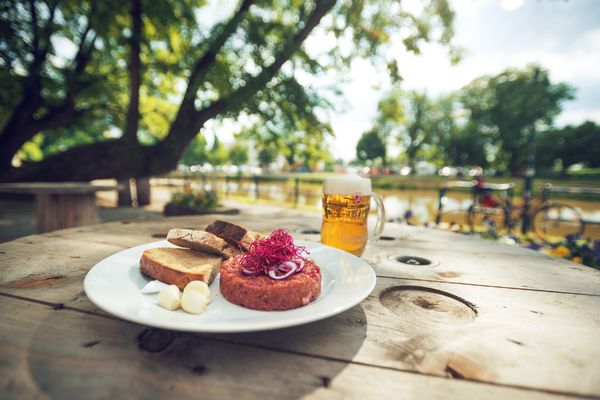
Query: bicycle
{"points": [[483, 209], [549, 219], [553, 219]]}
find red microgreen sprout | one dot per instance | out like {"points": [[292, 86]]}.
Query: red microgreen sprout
{"points": [[276, 256]]}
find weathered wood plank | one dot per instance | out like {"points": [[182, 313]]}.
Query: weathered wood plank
{"points": [[53, 187], [525, 338], [65, 354], [462, 259], [472, 260], [531, 338]]}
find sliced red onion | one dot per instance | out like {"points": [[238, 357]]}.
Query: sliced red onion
{"points": [[273, 272], [286, 266], [300, 263], [250, 272]]}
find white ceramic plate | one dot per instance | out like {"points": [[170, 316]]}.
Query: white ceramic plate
{"points": [[114, 285]]}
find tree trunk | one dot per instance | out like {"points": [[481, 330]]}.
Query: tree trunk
{"points": [[123, 158], [513, 165], [133, 112], [18, 129], [142, 186], [15, 135], [124, 193], [111, 159]]}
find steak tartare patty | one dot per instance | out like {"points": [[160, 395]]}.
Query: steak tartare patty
{"points": [[260, 292]]}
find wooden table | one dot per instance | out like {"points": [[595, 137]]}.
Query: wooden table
{"points": [[483, 320], [60, 204]]}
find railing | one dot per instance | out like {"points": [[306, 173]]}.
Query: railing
{"points": [[549, 189], [291, 185]]}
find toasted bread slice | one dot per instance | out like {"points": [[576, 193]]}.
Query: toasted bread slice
{"points": [[202, 241], [234, 234], [179, 266]]}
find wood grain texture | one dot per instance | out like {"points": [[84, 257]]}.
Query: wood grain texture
{"points": [[53, 187], [472, 260], [522, 338], [488, 312], [50, 353], [464, 259]]}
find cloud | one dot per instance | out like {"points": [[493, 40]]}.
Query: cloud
{"points": [[564, 37]]}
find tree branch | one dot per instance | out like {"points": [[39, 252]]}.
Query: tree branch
{"points": [[216, 43], [236, 98], [82, 57], [187, 125], [184, 121], [58, 116], [40, 54], [133, 111], [34, 27]]}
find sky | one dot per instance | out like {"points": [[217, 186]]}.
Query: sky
{"points": [[561, 35]]}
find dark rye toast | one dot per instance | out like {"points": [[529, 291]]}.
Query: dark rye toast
{"points": [[202, 241], [235, 235]]}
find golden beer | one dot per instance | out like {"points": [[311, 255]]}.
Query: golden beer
{"points": [[345, 222]]}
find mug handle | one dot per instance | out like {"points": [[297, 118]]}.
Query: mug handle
{"points": [[376, 234]]}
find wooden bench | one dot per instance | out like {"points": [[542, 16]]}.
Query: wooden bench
{"points": [[60, 204]]}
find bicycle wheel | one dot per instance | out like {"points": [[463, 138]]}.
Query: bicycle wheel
{"points": [[480, 219], [555, 221]]}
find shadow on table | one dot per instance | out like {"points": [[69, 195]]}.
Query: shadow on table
{"points": [[72, 353], [18, 218], [339, 337]]}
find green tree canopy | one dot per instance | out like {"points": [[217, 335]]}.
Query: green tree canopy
{"points": [[196, 152], [266, 157], [509, 106], [217, 155], [569, 145], [238, 154], [454, 140], [142, 77], [370, 147]]}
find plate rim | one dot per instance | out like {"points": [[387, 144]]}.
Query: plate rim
{"points": [[211, 328]]}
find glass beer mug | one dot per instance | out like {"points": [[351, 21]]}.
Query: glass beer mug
{"points": [[346, 203]]}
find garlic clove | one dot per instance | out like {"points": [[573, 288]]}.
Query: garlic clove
{"points": [[194, 302], [198, 286], [169, 298]]}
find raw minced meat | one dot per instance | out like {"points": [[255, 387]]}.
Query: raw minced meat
{"points": [[260, 292]]}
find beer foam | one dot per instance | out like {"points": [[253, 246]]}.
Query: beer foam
{"points": [[347, 185]]}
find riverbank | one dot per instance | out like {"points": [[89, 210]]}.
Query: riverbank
{"points": [[406, 182]]}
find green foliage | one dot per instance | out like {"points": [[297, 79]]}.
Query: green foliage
{"points": [[568, 146], [196, 199], [507, 107], [266, 156], [288, 123], [196, 152], [238, 154], [288, 109], [464, 146], [218, 153], [370, 147], [487, 122], [418, 129]]}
